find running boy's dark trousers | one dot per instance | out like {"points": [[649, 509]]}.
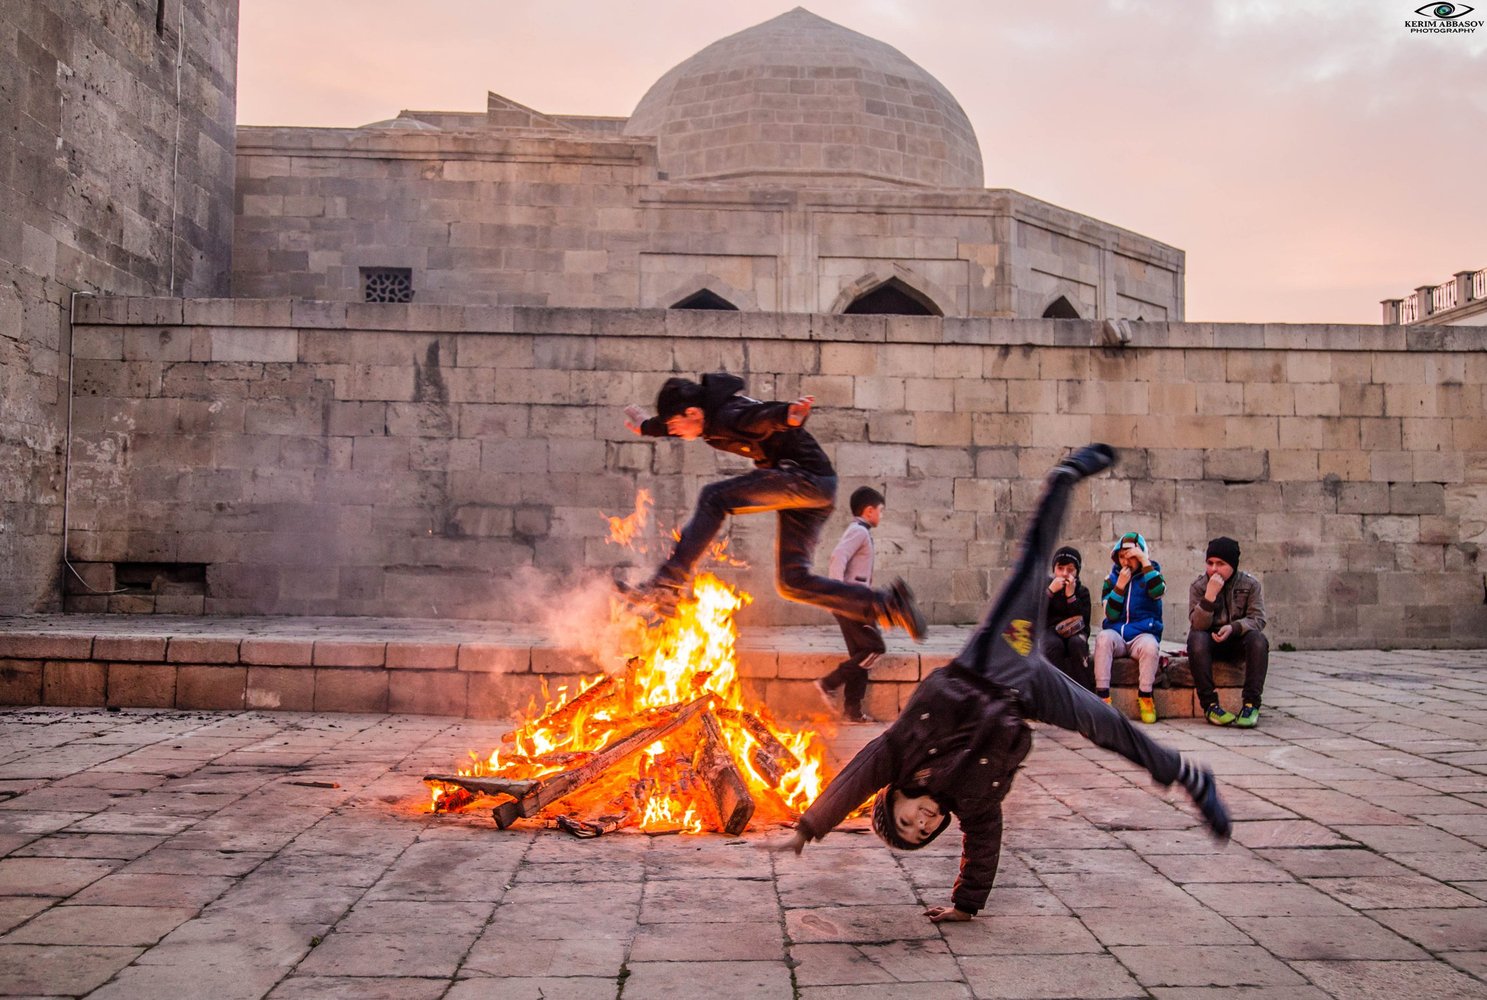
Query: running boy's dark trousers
{"points": [[864, 645], [1006, 647]]}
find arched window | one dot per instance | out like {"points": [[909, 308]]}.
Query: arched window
{"points": [[704, 299], [896, 298], [1060, 308]]}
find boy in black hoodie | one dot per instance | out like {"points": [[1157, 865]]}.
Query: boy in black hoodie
{"points": [[791, 475], [1066, 625]]}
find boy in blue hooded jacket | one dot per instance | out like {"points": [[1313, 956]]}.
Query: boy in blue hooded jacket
{"points": [[1132, 594]]}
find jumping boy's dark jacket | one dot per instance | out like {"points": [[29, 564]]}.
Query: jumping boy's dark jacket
{"points": [[961, 738], [747, 427]]}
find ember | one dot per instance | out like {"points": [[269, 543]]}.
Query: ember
{"points": [[668, 745]]}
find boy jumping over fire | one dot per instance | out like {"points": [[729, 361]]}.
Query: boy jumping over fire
{"points": [[791, 475], [960, 739]]}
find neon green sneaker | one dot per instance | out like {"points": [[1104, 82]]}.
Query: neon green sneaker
{"points": [[1249, 716], [1218, 716], [1148, 708]]}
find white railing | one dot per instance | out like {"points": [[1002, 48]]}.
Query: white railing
{"points": [[1408, 310], [1443, 297], [1479, 284]]}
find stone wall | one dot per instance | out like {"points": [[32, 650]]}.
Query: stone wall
{"points": [[323, 458], [513, 218], [113, 180]]}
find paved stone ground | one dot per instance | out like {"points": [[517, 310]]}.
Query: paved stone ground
{"points": [[172, 854]]}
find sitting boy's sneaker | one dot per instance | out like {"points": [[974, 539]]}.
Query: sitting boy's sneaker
{"points": [[899, 606], [1202, 786], [825, 693], [1218, 716], [1249, 716], [1148, 708]]}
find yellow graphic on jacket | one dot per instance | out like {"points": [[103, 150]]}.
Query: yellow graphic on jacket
{"points": [[1019, 635]]}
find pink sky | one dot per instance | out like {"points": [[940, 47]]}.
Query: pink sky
{"points": [[1310, 157]]}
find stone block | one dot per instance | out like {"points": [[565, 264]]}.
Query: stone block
{"points": [[348, 653], [502, 695], [189, 649], [350, 690], [549, 660], [800, 664], [276, 652], [758, 663], [422, 656], [894, 667], [210, 688], [20, 682], [441, 692], [74, 683], [1235, 465], [281, 689], [39, 646], [134, 685], [1417, 498]]}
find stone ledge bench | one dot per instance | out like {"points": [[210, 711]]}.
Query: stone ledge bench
{"points": [[457, 668]]}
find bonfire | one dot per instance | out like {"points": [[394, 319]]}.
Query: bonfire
{"points": [[666, 743]]}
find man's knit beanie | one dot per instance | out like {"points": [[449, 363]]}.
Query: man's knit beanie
{"points": [[1224, 548]]}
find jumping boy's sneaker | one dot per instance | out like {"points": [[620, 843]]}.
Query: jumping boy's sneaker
{"points": [[857, 715], [652, 600], [827, 698], [1201, 785], [899, 606], [1218, 716], [1148, 708], [1249, 716]]}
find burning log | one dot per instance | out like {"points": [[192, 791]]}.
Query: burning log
{"points": [[719, 773], [482, 786], [562, 716], [771, 758], [558, 786]]}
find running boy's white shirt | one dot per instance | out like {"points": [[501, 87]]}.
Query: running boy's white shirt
{"points": [[852, 559]]}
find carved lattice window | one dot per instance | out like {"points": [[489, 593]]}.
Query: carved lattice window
{"points": [[387, 284]]}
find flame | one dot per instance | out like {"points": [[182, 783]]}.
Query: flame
{"points": [[686, 657], [623, 530]]}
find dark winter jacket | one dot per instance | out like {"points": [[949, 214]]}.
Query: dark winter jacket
{"points": [[1061, 609], [960, 737], [747, 427], [1241, 603]]}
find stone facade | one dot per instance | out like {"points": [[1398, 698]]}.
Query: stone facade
{"points": [[116, 173], [329, 458], [796, 166]]}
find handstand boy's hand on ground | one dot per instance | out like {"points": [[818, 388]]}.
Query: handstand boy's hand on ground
{"points": [[947, 915], [634, 417], [796, 843]]}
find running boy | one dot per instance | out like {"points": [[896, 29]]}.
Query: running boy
{"points": [[852, 562], [791, 475]]}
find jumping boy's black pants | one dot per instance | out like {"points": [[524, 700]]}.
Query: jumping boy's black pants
{"points": [[804, 502]]}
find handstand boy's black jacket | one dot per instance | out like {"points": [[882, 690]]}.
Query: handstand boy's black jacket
{"points": [[961, 737], [747, 427]]}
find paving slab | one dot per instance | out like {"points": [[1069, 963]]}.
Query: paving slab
{"points": [[151, 853]]}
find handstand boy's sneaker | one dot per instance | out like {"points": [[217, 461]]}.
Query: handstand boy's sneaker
{"points": [[1090, 460], [1249, 716], [902, 612], [1201, 785], [1148, 708], [1218, 716]]}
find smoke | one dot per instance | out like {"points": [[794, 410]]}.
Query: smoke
{"points": [[578, 611]]}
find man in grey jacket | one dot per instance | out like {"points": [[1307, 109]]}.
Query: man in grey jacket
{"points": [[852, 562], [1226, 619]]}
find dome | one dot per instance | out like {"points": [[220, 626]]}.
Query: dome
{"points": [[801, 99]]}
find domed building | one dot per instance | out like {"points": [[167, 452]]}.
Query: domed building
{"points": [[797, 166]]}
